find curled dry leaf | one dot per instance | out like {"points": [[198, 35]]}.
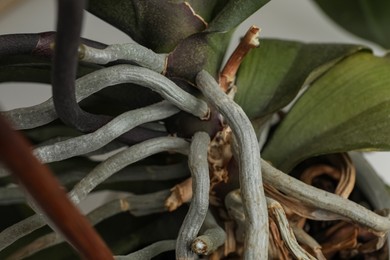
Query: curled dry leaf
{"points": [[341, 236], [336, 174], [350, 240], [335, 240], [344, 173], [338, 240]]}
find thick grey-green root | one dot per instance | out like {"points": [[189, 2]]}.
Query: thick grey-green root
{"points": [[193, 221], [255, 206]]}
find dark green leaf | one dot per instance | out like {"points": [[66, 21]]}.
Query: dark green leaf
{"points": [[369, 19], [203, 8], [156, 24], [233, 13], [348, 108], [272, 75], [200, 51]]}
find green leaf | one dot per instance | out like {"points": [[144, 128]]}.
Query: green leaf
{"points": [[272, 75], [157, 24], [348, 108], [233, 13], [176, 26], [369, 19], [197, 52], [203, 8]]}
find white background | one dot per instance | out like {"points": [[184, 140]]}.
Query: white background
{"points": [[287, 19]]}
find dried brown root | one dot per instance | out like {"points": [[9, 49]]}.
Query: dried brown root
{"points": [[180, 193]]}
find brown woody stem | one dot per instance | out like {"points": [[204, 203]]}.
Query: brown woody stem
{"points": [[49, 195], [247, 43]]}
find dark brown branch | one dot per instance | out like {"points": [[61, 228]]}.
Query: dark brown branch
{"points": [[228, 74], [49, 196]]}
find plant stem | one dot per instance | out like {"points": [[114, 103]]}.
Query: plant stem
{"points": [[69, 23], [196, 214], [255, 206], [48, 194], [228, 74]]}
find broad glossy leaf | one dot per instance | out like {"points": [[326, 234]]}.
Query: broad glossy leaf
{"points": [[348, 108], [156, 24], [272, 75], [233, 13], [369, 19]]}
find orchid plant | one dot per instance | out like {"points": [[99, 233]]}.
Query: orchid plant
{"points": [[202, 153]]}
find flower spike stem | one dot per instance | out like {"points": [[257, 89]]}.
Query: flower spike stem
{"points": [[228, 74], [49, 196]]}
